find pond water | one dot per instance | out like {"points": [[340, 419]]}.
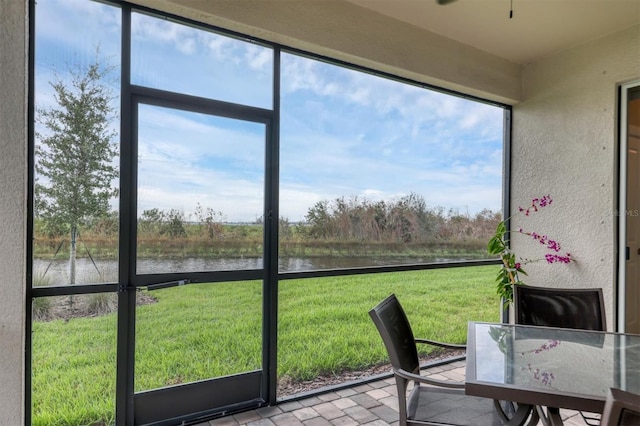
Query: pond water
{"points": [[56, 272]]}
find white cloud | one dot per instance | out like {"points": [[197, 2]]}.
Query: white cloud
{"points": [[74, 22], [148, 28], [259, 58]]}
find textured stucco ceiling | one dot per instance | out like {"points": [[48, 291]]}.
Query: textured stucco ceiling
{"points": [[537, 29]]}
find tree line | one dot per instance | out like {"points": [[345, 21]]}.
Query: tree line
{"points": [[406, 220]]}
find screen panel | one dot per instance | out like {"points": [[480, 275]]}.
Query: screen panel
{"points": [[380, 172], [200, 192], [77, 132], [179, 58]]}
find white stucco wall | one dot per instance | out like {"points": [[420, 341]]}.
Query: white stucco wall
{"points": [[13, 169], [564, 144]]}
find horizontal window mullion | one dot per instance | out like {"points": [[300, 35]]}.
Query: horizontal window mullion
{"points": [[383, 269], [68, 290]]}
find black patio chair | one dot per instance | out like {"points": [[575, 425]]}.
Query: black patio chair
{"points": [[581, 309], [621, 409], [431, 401]]}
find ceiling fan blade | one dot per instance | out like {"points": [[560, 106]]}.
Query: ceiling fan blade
{"points": [[444, 2]]}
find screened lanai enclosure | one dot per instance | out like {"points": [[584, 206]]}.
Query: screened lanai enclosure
{"points": [[213, 215]]}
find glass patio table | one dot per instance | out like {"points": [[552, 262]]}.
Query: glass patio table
{"points": [[551, 367]]}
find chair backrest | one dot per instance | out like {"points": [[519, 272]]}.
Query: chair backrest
{"points": [[396, 333], [621, 409], [559, 307]]}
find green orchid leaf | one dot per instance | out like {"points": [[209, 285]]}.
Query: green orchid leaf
{"points": [[495, 245]]}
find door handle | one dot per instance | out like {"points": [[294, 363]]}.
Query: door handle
{"points": [[167, 284], [627, 253]]}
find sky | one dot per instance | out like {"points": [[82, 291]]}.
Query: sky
{"points": [[343, 133]]}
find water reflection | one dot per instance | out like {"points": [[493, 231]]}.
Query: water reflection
{"points": [[56, 272]]}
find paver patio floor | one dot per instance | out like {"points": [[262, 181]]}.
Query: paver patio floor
{"points": [[373, 404]]}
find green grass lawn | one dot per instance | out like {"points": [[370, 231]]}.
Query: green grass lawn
{"points": [[201, 331]]}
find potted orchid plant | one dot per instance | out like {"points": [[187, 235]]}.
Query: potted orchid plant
{"points": [[511, 268]]}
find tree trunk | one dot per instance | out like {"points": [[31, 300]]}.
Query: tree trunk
{"points": [[72, 256]]}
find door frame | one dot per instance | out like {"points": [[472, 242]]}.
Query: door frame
{"points": [[622, 202], [250, 389]]}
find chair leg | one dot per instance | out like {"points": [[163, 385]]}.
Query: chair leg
{"points": [[514, 414], [591, 419], [401, 386], [551, 417], [534, 418]]}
